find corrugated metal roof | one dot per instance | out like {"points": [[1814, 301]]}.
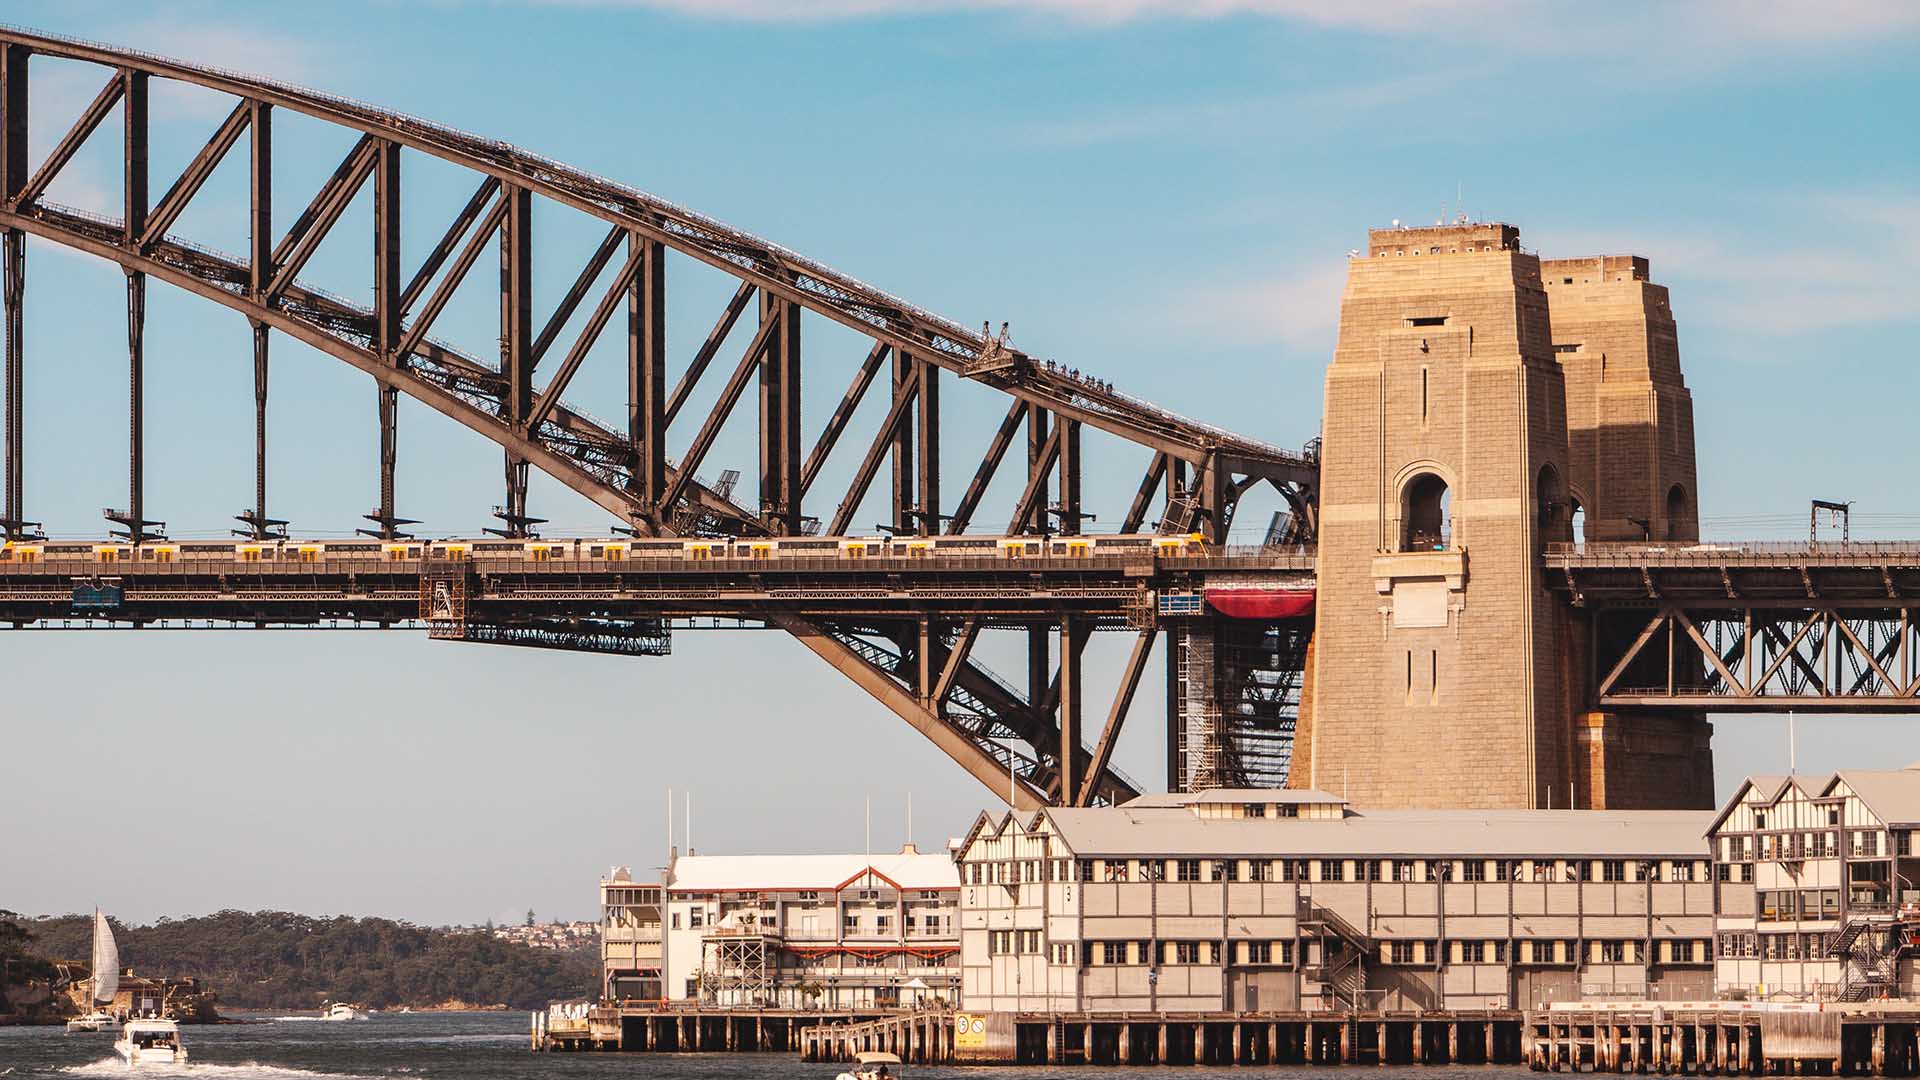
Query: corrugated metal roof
{"points": [[1134, 831], [727, 873]]}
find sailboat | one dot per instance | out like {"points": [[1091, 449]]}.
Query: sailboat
{"points": [[106, 980]]}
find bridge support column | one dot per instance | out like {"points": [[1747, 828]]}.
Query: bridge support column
{"points": [[259, 525], [14, 246], [780, 454], [516, 344], [647, 369], [1072, 640], [14, 173]]}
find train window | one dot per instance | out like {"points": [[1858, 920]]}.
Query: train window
{"points": [[596, 552], [762, 551], [163, 555], [6, 554], [699, 552], [249, 554], [396, 554], [539, 553], [919, 551], [306, 554], [108, 555], [615, 553], [28, 556], [1012, 551]]}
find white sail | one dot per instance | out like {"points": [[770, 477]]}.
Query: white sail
{"points": [[106, 961]]}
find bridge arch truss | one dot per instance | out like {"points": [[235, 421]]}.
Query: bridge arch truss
{"points": [[1197, 472]]}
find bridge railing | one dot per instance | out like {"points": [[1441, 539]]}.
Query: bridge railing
{"points": [[1710, 553]]}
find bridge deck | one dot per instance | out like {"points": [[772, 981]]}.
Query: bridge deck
{"points": [[375, 591]]}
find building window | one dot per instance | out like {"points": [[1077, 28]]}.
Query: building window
{"points": [[1612, 952], [1300, 870], [884, 925], [1153, 870], [1613, 870], [1030, 942], [1086, 870], [1116, 870], [1473, 952], [1253, 810], [696, 918], [1063, 955], [1683, 871], [1259, 952], [1499, 954], [1370, 869], [1225, 870], [1473, 870], [1403, 869], [1113, 952], [1186, 952], [1424, 514], [1333, 870], [1189, 870], [1400, 952], [850, 923], [1259, 870]]}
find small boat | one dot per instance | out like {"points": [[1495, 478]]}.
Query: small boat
{"points": [[871, 1065], [340, 1010], [151, 1041], [94, 1021], [106, 980]]}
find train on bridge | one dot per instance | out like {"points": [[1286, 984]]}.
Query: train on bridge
{"points": [[602, 550]]}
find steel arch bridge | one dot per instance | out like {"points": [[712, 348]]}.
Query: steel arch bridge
{"points": [[904, 633]]}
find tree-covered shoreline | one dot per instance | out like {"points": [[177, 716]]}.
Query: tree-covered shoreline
{"points": [[283, 960]]}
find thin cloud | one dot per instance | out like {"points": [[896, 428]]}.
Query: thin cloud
{"points": [[1298, 113], [1795, 24], [1298, 310]]}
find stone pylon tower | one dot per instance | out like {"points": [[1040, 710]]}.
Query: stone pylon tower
{"points": [[1473, 411], [1631, 477], [1629, 415], [1437, 674]]}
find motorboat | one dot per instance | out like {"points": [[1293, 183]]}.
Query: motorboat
{"points": [[340, 1010], [151, 1041], [874, 1065], [105, 979]]}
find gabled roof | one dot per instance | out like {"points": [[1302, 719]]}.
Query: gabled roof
{"points": [[1772, 787], [1892, 794], [826, 873]]}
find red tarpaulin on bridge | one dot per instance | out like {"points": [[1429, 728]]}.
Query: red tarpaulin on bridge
{"points": [[1261, 603]]}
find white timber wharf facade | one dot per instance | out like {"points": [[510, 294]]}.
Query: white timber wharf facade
{"points": [[812, 932], [630, 939], [1232, 901], [1819, 887]]}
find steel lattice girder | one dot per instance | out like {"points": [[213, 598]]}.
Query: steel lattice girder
{"points": [[622, 472], [1758, 659]]}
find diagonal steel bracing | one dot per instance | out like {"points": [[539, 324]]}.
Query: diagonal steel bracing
{"points": [[626, 470]]}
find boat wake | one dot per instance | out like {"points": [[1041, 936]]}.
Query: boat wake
{"points": [[245, 1070]]}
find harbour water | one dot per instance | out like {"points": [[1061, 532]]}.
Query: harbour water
{"points": [[481, 1046]]}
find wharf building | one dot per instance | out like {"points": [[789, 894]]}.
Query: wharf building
{"points": [[828, 932], [1238, 901], [1819, 886]]}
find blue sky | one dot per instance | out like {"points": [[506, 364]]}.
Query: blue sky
{"points": [[1161, 194]]}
